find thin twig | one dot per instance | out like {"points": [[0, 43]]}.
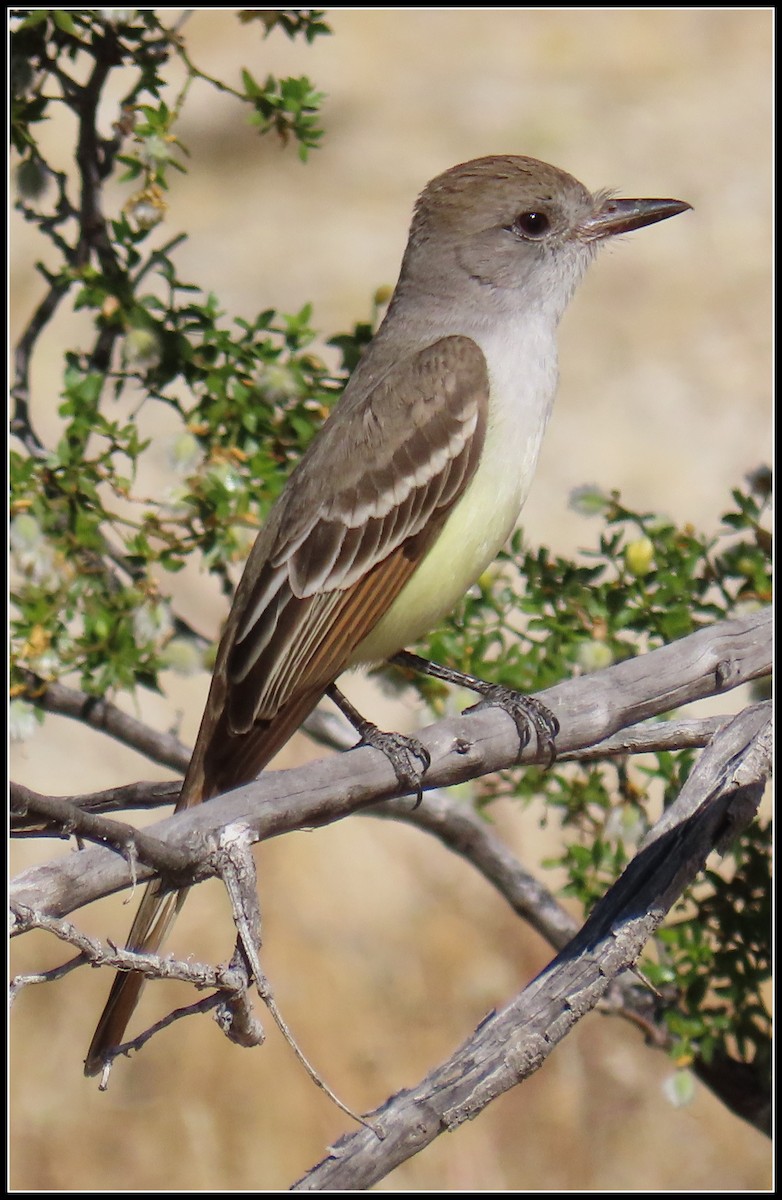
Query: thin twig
{"points": [[21, 423], [134, 1044], [142, 795], [152, 966], [236, 866], [19, 982], [163, 748], [129, 841]]}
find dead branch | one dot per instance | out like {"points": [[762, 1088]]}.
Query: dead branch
{"points": [[510, 1045], [100, 714], [589, 709]]}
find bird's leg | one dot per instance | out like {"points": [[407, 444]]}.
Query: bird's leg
{"points": [[409, 758], [528, 714]]}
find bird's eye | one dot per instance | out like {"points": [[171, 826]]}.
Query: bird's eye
{"points": [[533, 224]]}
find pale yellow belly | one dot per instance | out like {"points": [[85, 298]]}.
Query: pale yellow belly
{"points": [[476, 530]]}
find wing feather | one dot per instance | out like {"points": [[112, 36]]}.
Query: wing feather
{"points": [[350, 531]]}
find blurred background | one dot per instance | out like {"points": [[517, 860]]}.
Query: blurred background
{"points": [[384, 951]]}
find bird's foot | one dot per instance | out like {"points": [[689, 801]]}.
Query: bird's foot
{"points": [[527, 713], [409, 757]]}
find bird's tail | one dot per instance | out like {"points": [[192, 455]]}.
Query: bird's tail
{"points": [[156, 915], [219, 763]]}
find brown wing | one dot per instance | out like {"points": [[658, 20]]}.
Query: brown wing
{"points": [[357, 517]]}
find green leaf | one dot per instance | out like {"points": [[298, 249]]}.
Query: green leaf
{"points": [[64, 21]]}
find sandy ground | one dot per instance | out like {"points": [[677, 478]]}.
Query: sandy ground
{"points": [[384, 951]]}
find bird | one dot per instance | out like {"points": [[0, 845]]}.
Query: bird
{"points": [[413, 483]]}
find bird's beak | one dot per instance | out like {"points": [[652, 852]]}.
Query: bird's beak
{"points": [[620, 216]]}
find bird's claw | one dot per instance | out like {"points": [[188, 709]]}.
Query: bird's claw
{"points": [[528, 715]]}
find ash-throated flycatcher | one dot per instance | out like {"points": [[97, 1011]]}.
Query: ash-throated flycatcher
{"points": [[414, 482]]}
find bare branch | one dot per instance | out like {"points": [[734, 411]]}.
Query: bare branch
{"points": [[589, 710], [19, 982], [152, 966], [510, 1045], [163, 748], [93, 235], [215, 1001], [26, 809], [330, 730], [236, 866], [748, 640], [650, 737], [647, 737], [21, 422], [168, 860]]}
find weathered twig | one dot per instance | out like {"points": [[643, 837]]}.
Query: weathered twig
{"points": [[129, 841], [236, 866], [19, 982], [153, 966], [163, 748], [330, 729], [215, 1003], [29, 818]]}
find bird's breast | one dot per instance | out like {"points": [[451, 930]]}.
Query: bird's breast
{"points": [[522, 377]]}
